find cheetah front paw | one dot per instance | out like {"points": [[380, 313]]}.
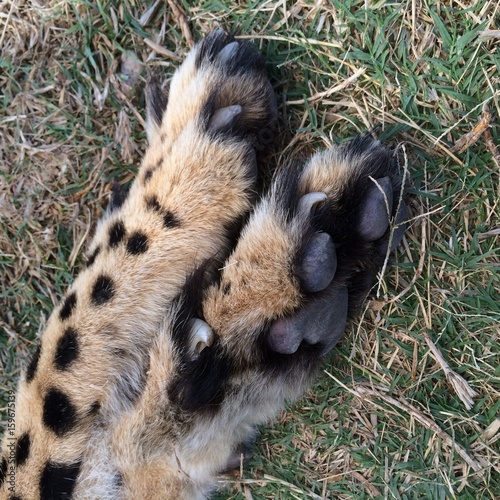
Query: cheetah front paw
{"points": [[303, 264], [353, 194]]}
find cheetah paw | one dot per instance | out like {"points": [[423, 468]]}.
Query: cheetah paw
{"points": [[223, 86]]}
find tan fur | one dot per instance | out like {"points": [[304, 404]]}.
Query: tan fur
{"points": [[259, 274], [146, 444], [263, 286], [258, 285], [204, 181], [328, 171], [260, 269]]}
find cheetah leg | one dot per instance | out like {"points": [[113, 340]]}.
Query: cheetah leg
{"points": [[304, 263], [197, 179]]}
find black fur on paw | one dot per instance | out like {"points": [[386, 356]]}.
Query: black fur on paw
{"points": [[200, 384], [232, 56]]}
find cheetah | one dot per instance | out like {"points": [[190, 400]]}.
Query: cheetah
{"points": [[204, 343]]}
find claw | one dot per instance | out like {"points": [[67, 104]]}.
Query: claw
{"points": [[309, 200], [224, 117], [201, 337], [228, 52]]}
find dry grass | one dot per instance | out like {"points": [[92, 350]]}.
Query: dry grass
{"points": [[385, 420]]}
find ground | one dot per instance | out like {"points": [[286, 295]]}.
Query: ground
{"points": [[384, 420]]}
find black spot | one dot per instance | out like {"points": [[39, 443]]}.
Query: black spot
{"points": [[153, 204], [95, 408], [119, 479], [116, 234], [103, 290], [58, 481], [3, 470], [226, 288], [118, 197], [137, 243], [15, 497], [93, 256], [67, 349], [68, 306], [30, 372], [59, 413], [170, 220], [151, 169], [156, 100], [23, 449], [148, 174]]}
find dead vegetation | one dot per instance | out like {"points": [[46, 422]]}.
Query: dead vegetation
{"points": [[386, 419]]}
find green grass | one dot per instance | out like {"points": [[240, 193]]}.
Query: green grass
{"points": [[69, 126]]}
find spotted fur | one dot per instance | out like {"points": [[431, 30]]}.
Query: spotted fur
{"points": [[184, 436], [197, 177], [120, 401]]}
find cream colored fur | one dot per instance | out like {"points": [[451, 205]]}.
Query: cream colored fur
{"points": [[148, 446], [204, 181]]}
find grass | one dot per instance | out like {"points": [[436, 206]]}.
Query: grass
{"points": [[383, 421]]}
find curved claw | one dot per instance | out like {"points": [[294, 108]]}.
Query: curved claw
{"points": [[202, 336], [309, 200], [224, 117]]}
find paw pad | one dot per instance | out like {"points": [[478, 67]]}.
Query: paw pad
{"points": [[318, 264]]}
